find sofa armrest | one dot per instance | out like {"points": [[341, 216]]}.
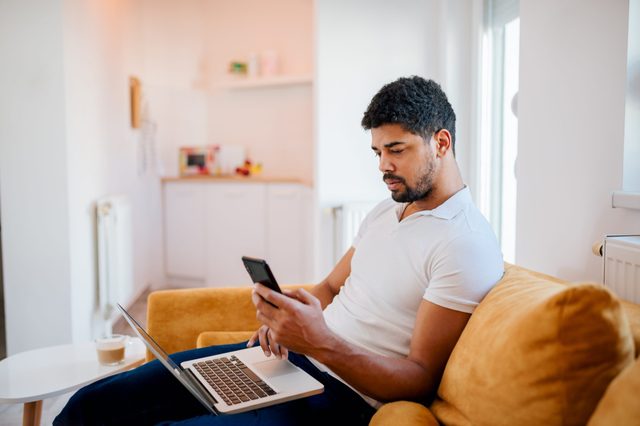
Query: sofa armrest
{"points": [[175, 318]]}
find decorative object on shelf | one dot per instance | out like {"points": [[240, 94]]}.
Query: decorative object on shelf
{"points": [[135, 89], [249, 169], [230, 157], [198, 160], [265, 64], [214, 160], [261, 70], [253, 65], [269, 63], [238, 68]]}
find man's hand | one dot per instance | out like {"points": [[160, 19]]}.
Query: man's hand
{"points": [[268, 343], [297, 322]]}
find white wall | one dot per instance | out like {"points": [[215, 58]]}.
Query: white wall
{"points": [[571, 133], [33, 175], [360, 46], [102, 45], [67, 141], [457, 52]]}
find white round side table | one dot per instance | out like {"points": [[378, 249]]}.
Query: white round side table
{"points": [[31, 376]]}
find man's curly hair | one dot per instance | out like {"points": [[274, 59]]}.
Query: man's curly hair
{"points": [[419, 105]]}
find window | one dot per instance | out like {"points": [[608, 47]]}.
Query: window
{"points": [[630, 196], [499, 124]]}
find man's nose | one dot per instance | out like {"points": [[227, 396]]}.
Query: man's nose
{"points": [[385, 164]]}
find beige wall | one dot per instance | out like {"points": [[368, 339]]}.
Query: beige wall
{"points": [[187, 49]]}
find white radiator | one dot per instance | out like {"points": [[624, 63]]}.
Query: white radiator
{"points": [[346, 222], [115, 266], [621, 266]]}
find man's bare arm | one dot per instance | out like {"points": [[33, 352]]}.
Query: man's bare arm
{"points": [[416, 377], [299, 325], [327, 289]]}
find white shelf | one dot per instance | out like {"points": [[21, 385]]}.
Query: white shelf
{"points": [[259, 82], [626, 200]]}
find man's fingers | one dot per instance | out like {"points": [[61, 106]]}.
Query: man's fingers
{"points": [[253, 338], [275, 346], [291, 293], [264, 340], [275, 349], [305, 297], [255, 297], [279, 300], [259, 301], [266, 321], [263, 306]]}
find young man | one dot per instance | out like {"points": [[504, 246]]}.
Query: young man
{"points": [[382, 325]]}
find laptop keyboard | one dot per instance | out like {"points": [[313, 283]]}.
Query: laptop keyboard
{"points": [[233, 380]]}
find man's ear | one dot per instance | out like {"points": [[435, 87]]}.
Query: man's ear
{"points": [[443, 142]]}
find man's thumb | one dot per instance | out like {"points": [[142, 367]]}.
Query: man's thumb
{"points": [[305, 297]]}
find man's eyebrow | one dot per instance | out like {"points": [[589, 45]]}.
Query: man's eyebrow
{"points": [[394, 143], [389, 145]]}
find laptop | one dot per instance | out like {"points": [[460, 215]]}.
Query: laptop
{"points": [[235, 381]]}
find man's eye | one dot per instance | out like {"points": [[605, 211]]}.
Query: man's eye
{"points": [[396, 151], [377, 154]]}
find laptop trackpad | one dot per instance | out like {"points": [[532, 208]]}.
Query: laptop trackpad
{"points": [[275, 367]]}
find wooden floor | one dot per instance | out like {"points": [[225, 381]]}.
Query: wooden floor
{"points": [[11, 414]]}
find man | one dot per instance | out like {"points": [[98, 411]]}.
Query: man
{"points": [[382, 325]]}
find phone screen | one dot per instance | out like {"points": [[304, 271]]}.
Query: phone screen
{"points": [[260, 272]]}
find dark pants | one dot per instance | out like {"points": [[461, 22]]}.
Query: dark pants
{"points": [[150, 395]]}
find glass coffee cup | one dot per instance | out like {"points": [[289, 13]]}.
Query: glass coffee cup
{"points": [[111, 348]]}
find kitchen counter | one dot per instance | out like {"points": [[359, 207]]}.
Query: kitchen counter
{"points": [[237, 178]]}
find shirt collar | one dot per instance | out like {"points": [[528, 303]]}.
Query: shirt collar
{"points": [[450, 208]]}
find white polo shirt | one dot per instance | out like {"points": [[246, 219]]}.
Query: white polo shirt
{"points": [[448, 256]]}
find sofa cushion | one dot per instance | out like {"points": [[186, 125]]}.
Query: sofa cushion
{"points": [[403, 413], [535, 351], [633, 315], [211, 338], [619, 405]]}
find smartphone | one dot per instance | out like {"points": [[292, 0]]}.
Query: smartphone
{"points": [[260, 272]]}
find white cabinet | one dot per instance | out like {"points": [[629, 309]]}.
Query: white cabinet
{"points": [[288, 232], [184, 237], [236, 226], [210, 225]]}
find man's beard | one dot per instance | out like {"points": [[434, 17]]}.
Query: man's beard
{"points": [[422, 189]]}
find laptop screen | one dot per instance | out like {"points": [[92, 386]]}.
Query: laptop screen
{"points": [[153, 346], [184, 376]]}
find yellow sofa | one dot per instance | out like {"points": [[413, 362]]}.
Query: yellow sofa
{"points": [[537, 350]]}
